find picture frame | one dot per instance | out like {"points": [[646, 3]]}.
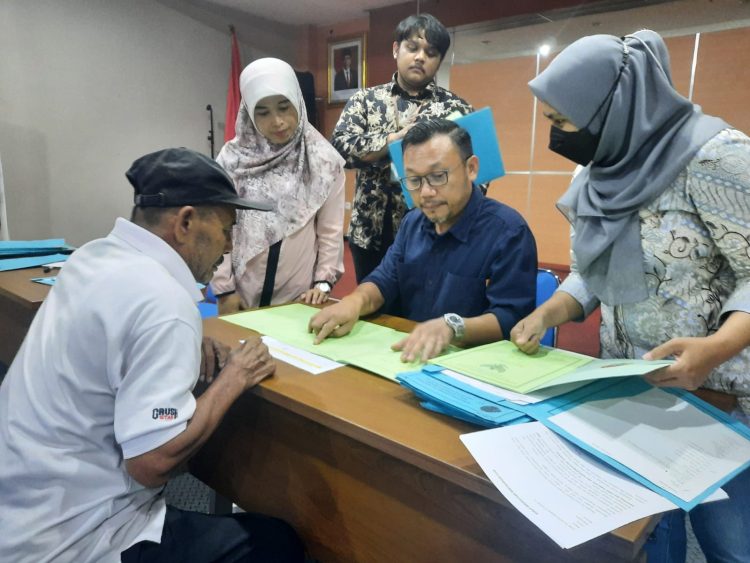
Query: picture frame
{"points": [[346, 54]]}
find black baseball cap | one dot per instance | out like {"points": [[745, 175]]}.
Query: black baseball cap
{"points": [[176, 177]]}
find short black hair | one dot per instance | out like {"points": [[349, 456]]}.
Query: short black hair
{"points": [[423, 131], [434, 31]]}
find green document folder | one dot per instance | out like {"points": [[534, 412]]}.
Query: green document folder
{"points": [[504, 365], [367, 346]]}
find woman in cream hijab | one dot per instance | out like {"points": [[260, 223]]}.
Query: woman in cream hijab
{"points": [[296, 251], [661, 243]]}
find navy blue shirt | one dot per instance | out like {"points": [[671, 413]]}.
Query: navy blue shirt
{"points": [[485, 263]]}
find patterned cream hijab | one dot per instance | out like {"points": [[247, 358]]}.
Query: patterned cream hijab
{"points": [[296, 177]]}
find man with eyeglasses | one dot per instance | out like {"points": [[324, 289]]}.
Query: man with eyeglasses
{"points": [[463, 266]]}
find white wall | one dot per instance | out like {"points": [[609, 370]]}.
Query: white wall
{"points": [[88, 86]]}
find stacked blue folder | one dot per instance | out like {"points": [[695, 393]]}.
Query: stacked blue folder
{"points": [[440, 392], [18, 254]]}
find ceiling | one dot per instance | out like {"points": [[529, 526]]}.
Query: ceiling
{"points": [[305, 12], [508, 38]]}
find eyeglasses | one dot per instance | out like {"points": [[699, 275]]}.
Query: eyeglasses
{"points": [[434, 179]]}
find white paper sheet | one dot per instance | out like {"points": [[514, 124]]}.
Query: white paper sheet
{"points": [[670, 442], [569, 495], [512, 396], [302, 359]]}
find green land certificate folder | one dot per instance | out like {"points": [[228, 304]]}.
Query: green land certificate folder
{"points": [[504, 365], [367, 346]]}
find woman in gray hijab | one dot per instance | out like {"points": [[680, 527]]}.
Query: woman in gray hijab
{"points": [[660, 218]]}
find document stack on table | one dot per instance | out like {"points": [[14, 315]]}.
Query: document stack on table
{"points": [[367, 346], [19, 254], [569, 495], [472, 383], [604, 447], [610, 452]]}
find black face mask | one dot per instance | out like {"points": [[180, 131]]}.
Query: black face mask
{"points": [[578, 146]]}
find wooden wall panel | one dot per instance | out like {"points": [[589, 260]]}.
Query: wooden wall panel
{"points": [[512, 191], [501, 84], [681, 59], [551, 229], [722, 79]]}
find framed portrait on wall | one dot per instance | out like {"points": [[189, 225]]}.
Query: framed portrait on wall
{"points": [[346, 68]]}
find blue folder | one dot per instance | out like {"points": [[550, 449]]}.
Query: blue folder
{"points": [[30, 261], [628, 387], [7, 246], [451, 397], [481, 128], [440, 393]]}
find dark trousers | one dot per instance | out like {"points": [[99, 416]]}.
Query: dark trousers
{"points": [[204, 538], [365, 260]]}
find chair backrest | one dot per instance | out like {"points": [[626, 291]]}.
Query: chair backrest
{"points": [[546, 284], [208, 310], [210, 297]]}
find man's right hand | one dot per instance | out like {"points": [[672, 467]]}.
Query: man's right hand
{"points": [[252, 361], [336, 320], [398, 135], [390, 138]]}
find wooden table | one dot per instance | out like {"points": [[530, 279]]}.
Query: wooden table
{"points": [[20, 299], [365, 474], [353, 462]]}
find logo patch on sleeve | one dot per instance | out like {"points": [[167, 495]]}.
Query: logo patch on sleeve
{"points": [[164, 414]]}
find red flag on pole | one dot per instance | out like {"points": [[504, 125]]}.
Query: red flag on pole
{"points": [[233, 90]]}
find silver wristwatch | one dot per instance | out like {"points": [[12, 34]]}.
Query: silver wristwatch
{"points": [[323, 286], [456, 322]]}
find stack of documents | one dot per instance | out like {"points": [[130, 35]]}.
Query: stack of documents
{"points": [[18, 254], [367, 346], [625, 432], [566, 493], [504, 365], [461, 384], [444, 392]]}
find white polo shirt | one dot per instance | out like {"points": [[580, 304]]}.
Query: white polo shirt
{"points": [[104, 374]]}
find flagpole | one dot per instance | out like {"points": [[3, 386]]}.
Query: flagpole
{"points": [[233, 89], [211, 127]]}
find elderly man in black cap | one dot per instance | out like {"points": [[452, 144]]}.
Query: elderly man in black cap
{"points": [[97, 410]]}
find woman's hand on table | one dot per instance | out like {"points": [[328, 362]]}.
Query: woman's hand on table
{"points": [[231, 303], [314, 296]]}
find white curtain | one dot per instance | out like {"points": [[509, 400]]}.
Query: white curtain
{"points": [[3, 215]]}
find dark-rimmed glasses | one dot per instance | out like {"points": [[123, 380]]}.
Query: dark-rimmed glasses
{"points": [[434, 179]]}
